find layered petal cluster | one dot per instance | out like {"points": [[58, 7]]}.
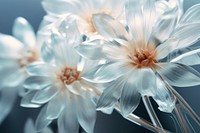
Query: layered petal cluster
{"points": [[16, 52], [58, 84], [83, 11], [136, 55]]}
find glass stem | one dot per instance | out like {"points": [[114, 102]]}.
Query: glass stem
{"points": [[141, 122], [151, 112]]}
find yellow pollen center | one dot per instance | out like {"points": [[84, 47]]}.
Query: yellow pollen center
{"points": [[143, 58], [69, 75]]}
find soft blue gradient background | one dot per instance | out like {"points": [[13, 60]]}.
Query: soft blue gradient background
{"points": [[33, 12]]}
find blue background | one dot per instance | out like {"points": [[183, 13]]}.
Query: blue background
{"points": [[14, 123]]}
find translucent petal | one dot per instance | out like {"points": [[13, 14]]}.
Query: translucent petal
{"points": [[111, 71], [29, 126], [147, 82], [58, 7], [37, 82], [149, 16], [55, 107], [75, 88], [178, 74], [10, 45], [42, 122], [191, 15], [86, 113], [7, 100], [26, 100], [67, 121], [111, 94], [130, 97], [108, 27], [47, 52], [45, 95], [163, 97], [40, 69], [91, 50], [189, 58], [134, 19], [24, 32], [183, 36]]}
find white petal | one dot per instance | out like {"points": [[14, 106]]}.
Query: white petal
{"points": [[47, 52], [183, 36], [108, 27], [147, 82], [111, 94], [130, 97], [67, 122], [29, 126], [134, 19], [91, 50], [37, 82], [42, 122], [7, 100], [178, 74], [111, 71], [164, 98], [45, 94], [10, 45], [75, 88], [86, 113], [189, 58], [191, 15], [26, 100], [55, 107], [24, 32], [149, 16], [40, 69]]}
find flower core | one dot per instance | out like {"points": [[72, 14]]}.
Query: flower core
{"points": [[143, 57], [29, 57], [69, 75]]}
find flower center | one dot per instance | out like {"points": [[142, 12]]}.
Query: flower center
{"points": [[29, 57], [143, 57], [69, 75]]}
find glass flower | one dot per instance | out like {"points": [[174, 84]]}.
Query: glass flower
{"points": [[58, 83], [16, 53], [136, 55], [83, 11]]}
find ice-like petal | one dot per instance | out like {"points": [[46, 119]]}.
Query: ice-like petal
{"points": [[26, 100], [45, 94], [7, 100], [147, 82], [108, 27], [149, 16], [55, 107], [178, 74], [130, 97], [37, 82], [42, 122], [111, 94], [134, 19], [91, 50], [67, 121], [40, 69], [191, 15], [111, 71], [183, 36], [10, 45], [189, 58], [86, 113], [29, 126], [24, 32], [163, 97], [47, 52]]}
